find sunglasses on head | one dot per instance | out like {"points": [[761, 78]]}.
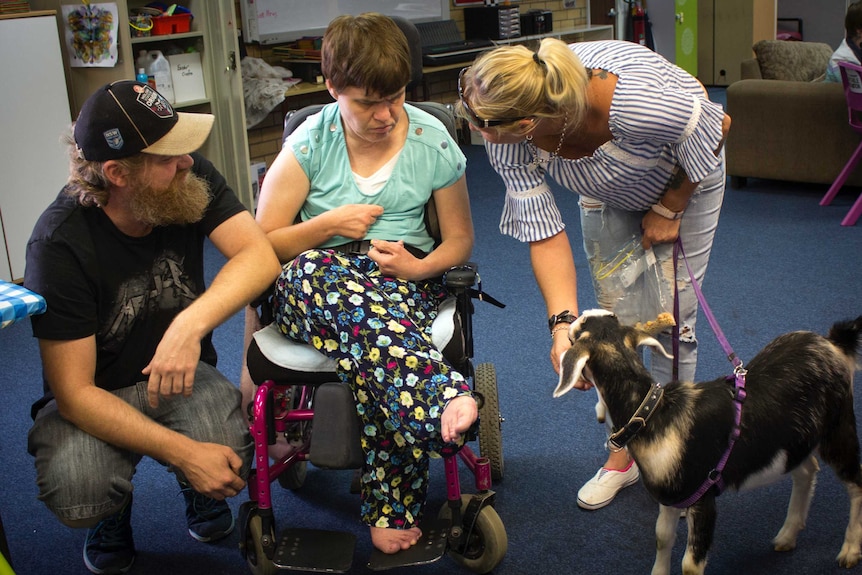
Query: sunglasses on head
{"points": [[472, 116]]}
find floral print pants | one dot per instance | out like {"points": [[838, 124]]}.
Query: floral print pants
{"points": [[378, 330]]}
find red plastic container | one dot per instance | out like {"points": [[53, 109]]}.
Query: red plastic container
{"points": [[176, 24]]}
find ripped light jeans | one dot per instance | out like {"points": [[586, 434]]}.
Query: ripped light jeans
{"points": [[606, 228]]}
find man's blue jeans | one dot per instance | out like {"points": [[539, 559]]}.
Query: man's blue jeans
{"points": [[83, 479]]}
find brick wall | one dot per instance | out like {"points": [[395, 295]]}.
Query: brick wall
{"points": [[264, 140]]}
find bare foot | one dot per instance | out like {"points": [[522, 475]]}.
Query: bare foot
{"points": [[394, 540], [459, 415]]}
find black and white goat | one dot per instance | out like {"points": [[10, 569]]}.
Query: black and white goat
{"points": [[799, 399]]}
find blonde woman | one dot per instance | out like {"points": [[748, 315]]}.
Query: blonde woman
{"points": [[638, 139]]}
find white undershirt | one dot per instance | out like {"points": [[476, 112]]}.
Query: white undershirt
{"points": [[372, 185]]}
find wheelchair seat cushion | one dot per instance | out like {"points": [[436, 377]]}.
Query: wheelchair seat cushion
{"points": [[301, 357]]}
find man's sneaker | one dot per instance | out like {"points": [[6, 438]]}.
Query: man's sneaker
{"points": [[604, 486], [109, 548], [208, 519]]}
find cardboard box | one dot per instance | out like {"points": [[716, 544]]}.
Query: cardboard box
{"points": [[188, 77]]}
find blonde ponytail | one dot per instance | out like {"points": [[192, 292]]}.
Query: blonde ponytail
{"points": [[514, 81]]}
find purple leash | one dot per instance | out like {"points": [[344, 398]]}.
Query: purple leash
{"points": [[714, 478]]}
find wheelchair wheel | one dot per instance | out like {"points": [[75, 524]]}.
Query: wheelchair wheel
{"points": [[294, 477], [488, 542], [258, 562], [490, 434]]}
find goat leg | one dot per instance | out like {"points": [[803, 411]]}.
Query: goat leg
{"points": [[804, 481], [850, 551], [665, 537], [701, 529]]}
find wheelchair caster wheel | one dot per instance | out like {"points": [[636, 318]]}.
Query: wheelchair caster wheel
{"points": [[258, 562], [487, 543], [490, 434]]}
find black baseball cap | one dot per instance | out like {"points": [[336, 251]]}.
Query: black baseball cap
{"points": [[124, 118]]}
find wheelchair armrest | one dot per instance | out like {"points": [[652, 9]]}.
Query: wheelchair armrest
{"points": [[461, 276]]}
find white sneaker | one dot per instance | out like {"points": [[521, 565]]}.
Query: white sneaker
{"points": [[604, 486]]}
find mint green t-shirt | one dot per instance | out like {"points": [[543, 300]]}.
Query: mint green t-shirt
{"points": [[430, 160]]}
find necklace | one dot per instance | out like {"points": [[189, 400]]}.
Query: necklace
{"points": [[534, 150]]}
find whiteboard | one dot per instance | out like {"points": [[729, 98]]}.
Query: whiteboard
{"points": [[34, 116], [274, 21]]}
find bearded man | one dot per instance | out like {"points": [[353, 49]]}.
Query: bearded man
{"points": [[126, 344]]}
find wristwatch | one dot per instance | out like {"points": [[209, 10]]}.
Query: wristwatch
{"points": [[666, 212], [564, 316]]}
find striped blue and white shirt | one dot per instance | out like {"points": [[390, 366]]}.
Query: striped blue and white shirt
{"points": [[660, 117]]}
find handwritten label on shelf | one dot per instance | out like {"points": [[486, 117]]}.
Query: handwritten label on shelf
{"points": [[188, 78]]}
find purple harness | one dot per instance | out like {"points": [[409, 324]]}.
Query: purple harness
{"points": [[714, 478]]}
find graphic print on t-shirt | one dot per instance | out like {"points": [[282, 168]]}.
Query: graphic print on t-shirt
{"points": [[164, 291]]}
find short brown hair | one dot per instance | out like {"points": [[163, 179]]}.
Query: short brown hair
{"points": [[853, 18], [367, 51]]}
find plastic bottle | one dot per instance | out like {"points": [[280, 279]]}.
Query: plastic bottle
{"points": [[160, 68], [143, 60], [141, 76]]}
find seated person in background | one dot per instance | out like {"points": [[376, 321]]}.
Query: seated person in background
{"points": [[126, 342], [361, 273], [849, 50]]}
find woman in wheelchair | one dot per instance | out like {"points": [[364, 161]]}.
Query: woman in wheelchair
{"points": [[343, 204]]}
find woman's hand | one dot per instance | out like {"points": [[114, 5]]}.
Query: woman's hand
{"points": [[354, 220], [394, 260], [658, 230]]}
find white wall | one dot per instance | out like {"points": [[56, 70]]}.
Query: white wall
{"points": [[822, 21], [661, 16]]}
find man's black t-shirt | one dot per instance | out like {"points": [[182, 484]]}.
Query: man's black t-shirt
{"points": [[124, 290]]}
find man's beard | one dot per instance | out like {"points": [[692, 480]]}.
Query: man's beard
{"points": [[183, 202]]}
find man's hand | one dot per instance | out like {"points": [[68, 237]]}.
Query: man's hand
{"points": [[214, 471], [172, 369]]}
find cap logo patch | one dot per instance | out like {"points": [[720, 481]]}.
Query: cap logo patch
{"points": [[114, 138], [154, 102]]}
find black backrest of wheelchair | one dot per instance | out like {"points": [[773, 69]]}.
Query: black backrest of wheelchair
{"points": [[414, 42]]}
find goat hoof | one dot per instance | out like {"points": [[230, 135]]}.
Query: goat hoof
{"points": [[848, 559], [600, 412]]}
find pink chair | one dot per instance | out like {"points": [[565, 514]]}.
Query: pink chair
{"points": [[851, 75]]}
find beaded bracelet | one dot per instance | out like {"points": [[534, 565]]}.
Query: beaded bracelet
{"points": [[558, 328]]}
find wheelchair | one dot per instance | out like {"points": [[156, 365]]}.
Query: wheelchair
{"points": [[299, 397]]}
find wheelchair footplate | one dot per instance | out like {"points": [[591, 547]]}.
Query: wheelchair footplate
{"points": [[430, 547], [315, 550]]}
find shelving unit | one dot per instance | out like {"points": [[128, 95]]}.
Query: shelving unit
{"points": [[184, 40], [214, 34]]}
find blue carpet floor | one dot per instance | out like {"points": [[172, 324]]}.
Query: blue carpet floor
{"points": [[780, 263]]}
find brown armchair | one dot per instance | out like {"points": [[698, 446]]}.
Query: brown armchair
{"points": [[787, 124]]}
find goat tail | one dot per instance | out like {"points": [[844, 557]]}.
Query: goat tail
{"points": [[847, 336]]}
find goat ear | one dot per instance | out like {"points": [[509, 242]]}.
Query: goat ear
{"points": [[644, 339], [571, 366]]}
